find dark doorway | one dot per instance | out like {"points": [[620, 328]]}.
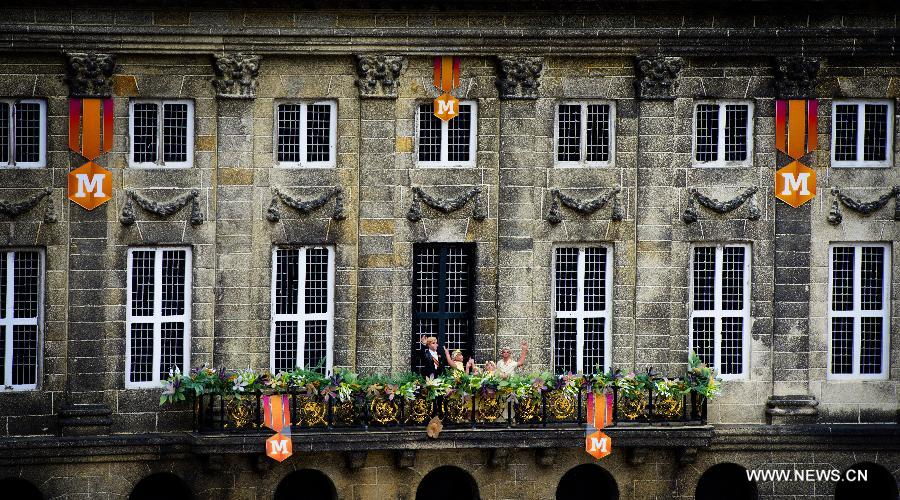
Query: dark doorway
{"points": [[161, 486], [587, 482], [14, 487], [306, 484], [725, 481], [447, 483], [879, 483]]}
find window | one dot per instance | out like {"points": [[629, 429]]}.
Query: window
{"points": [[723, 133], [582, 298], [158, 314], [21, 303], [306, 134], [443, 296], [720, 307], [23, 133], [162, 133], [862, 133], [858, 306], [443, 144], [302, 328], [585, 134]]}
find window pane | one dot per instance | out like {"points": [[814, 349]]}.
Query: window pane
{"points": [[145, 132], [172, 348], [872, 279], [25, 284], [598, 135], [4, 132], [3, 257], [595, 279], [24, 355], [315, 345], [566, 279], [704, 278], [845, 123], [707, 132], [141, 352], [842, 278], [142, 266], [870, 345], [28, 132], [594, 344], [841, 345], [565, 348], [569, 130], [175, 132], [318, 130], [459, 134], [422, 326], [702, 333], [287, 280], [457, 280], [733, 278], [285, 345], [429, 134], [457, 335], [3, 355], [736, 136], [427, 276], [289, 132], [732, 346], [875, 132], [316, 280], [174, 269]]}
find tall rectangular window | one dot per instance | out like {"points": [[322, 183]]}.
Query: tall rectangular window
{"points": [[23, 133], [585, 134], [302, 329], [443, 296], [723, 133], [858, 310], [161, 133], [582, 305], [306, 134], [21, 302], [158, 314], [862, 133], [446, 144], [720, 307]]}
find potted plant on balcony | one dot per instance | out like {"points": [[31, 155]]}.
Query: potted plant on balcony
{"points": [[632, 394]]}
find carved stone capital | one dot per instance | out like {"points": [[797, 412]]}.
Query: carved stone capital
{"points": [[377, 75], [236, 75], [795, 77], [657, 77], [519, 77], [89, 74]]}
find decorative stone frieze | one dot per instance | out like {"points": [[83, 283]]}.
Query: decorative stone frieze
{"points": [[519, 77], [161, 208], [305, 207], [236, 75], [584, 207], [690, 214], [377, 75], [446, 205], [795, 77], [13, 209], [89, 74], [657, 77], [862, 207]]}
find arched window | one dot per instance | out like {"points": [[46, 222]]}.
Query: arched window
{"points": [[14, 487], [447, 483], [306, 484], [588, 482], [725, 481], [866, 480], [161, 486]]}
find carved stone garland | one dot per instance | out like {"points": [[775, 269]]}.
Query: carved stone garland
{"points": [[835, 216], [690, 214], [657, 76], [337, 213], [14, 209], [586, 207], [236, 75], [377, 75], [161, 208], [446, 205], [88, 74], [519, 77]]}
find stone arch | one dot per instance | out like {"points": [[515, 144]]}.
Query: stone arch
{"points": [[307, 484], [447, 483], [879, 483], [587, 481], [726, 480], [161, 486]]}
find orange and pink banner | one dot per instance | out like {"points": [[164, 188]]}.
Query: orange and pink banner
{"points": [[90, 126]]}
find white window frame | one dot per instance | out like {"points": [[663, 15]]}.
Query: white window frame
{"points": [[10, 161], [332, 132], [717, 313], [860, 134], [720, 149], [157, 319], [301, 316], [579, 313], [857, 313], [9, 321], [582, 153], [160, 163], [473, 140]]}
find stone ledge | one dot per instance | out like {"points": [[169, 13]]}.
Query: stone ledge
{"points": [[807, 437]]}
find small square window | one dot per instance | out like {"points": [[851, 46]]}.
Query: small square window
{"points": [[305, 134], [446, 144], [723, 133], [862, 133], [162, 133], [23, 133], [585, 134]]}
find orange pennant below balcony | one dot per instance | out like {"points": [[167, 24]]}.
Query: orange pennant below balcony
{"points": [[598, 444], [279, 447], [277, 413]]}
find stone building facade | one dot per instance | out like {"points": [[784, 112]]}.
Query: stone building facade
{"points": [[81, 431]]}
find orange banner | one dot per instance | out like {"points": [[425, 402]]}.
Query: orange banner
{"points": [[91, 126], [446, 73], [277, 413], [796, 126]]}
